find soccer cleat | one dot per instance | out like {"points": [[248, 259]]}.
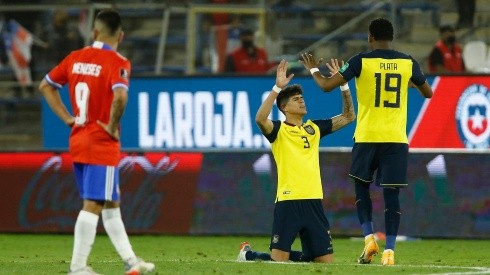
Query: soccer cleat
{"points": [[388, 257], [140, 267], [86, 270], [244, 247], [370, 249]]}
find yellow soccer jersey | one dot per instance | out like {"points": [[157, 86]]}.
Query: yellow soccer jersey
{"points": [[382, 78], [296, 152]]}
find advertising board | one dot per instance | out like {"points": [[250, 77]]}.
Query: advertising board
{"points": [[230, 193], [194, 113]]}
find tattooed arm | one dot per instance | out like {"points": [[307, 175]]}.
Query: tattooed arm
{"points": [[348, 114]]}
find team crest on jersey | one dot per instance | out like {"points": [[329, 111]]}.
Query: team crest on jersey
{"points": [[124, 73], [309, 129], [472, 116]]}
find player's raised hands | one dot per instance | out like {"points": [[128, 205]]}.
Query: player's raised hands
{"points": [[334, 66], [281, 79], [309, 61]]}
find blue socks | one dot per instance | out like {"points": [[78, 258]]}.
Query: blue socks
{"points": [[254, 255], [392, 215], [295, 256], [364, 207], [390, 242], [392, 211], [367, 228]]}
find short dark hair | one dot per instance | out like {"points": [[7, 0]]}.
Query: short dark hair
{"points": [[287, 93], [111, 19], [381, 29], [446, 28]]}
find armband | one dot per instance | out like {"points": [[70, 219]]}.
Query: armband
{"points": [[344, 87], [314, 70]]}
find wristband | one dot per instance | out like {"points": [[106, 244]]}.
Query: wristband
{"points": [[276, 89], [314, 70], [344, 87]]}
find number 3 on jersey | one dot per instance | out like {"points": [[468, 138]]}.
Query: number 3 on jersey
{"points": [[306, 144], [392, 84], [82, 93]]}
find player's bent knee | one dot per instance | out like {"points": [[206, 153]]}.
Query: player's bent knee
{"points": [[279, 255]]}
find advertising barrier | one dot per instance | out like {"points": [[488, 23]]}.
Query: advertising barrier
{"points": [[233, 193], [457, 116], [176, 113], [195, 113], [40, 194]]}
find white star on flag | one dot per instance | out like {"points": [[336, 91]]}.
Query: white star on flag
{"points": [[477, 119]]}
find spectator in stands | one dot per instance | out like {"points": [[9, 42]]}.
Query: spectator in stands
{"points": [[466, 13], [62, 38], [248, 58], [447, 54], [29, 19], [296, 15]]}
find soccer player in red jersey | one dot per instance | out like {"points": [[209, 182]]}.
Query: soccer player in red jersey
{"points": [[98, 81]]}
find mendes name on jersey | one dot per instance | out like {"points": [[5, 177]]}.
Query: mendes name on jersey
{"points": [[382, 78], [92, 73], [296, 152]]}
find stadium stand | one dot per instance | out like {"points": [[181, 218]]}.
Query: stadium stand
{"points": [[288, 30]]}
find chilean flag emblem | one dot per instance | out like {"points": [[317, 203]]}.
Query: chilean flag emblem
{"points": [[456, 116], [472, 116]]}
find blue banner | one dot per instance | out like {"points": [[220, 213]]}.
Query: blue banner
{"points": [[209, 112]]}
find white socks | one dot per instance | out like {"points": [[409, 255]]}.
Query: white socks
{"points": [[86, 229], [84, 236], [114, 227]]}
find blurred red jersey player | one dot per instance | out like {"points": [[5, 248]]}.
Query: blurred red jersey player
{"points": [[98, 78], [93, 75]]}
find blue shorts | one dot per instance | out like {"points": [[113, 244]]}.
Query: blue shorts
{"points": [[306, 218], [97, 182], [389, 159]]}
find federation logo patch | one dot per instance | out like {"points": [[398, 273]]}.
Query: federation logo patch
{"points": [[346, 65], [275, 239], [473, 115], [124, 73], [310, 130]]}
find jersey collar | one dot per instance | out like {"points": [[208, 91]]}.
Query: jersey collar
{"points": [[294, 125], [101, 45]]}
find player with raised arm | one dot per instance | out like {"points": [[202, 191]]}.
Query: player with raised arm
{"points": [[382, 76], [98, 81], [295, 146]]}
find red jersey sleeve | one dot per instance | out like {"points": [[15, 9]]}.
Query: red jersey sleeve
{"points": [[58, 76], [120, 77]]}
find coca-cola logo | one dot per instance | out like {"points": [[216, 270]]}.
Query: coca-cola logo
{"points": [[141, 207], [51, 198]]}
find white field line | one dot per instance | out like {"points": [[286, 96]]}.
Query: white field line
{"points": [[472, 270]]}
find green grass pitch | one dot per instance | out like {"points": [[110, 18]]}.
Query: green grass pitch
{"points": [[50, 254]]}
